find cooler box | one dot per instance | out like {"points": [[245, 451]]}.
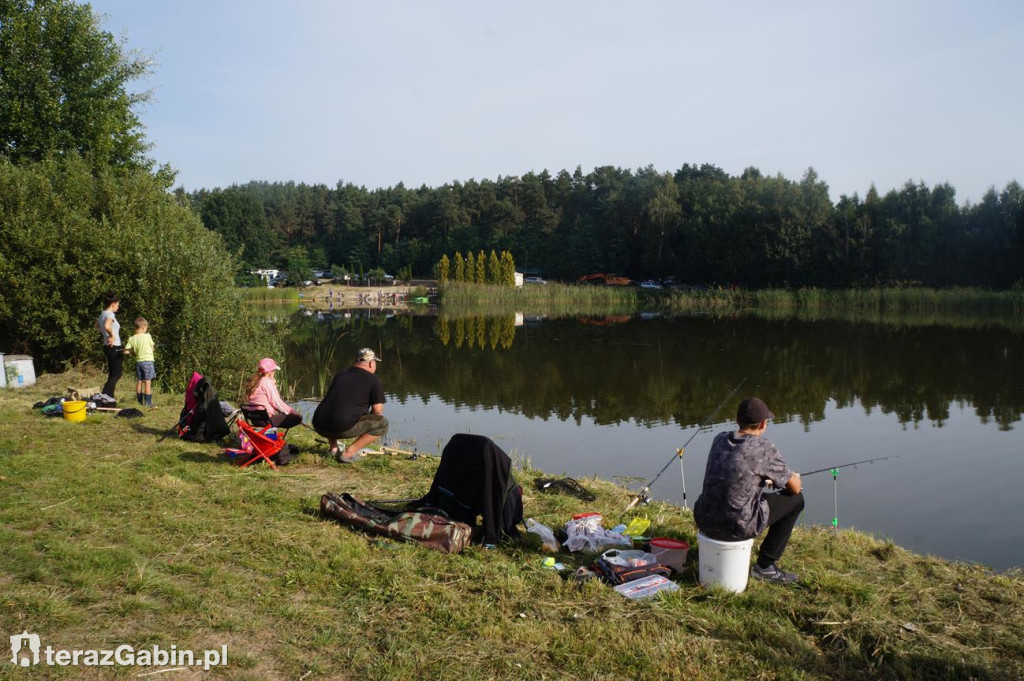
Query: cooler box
{"points": [[19, 371]]}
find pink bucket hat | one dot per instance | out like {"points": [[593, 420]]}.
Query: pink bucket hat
{"points": [[267, 365]]}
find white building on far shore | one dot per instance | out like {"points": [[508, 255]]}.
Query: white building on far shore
{"points": [[268, 276]]}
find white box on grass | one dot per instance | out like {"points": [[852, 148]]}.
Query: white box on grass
{"points": [[647, 587]]}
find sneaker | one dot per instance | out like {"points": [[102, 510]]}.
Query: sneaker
{"points": [[772, 574], [347, 459], [334, 454]]}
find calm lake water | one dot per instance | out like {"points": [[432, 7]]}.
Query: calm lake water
{"points": [[616, 396]]}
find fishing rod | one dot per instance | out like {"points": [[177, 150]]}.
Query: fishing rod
{"points": [[679, 452], [847, 465], [835, 483]]}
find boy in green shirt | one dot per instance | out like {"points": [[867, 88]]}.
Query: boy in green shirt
{"points": [[141, 344]]}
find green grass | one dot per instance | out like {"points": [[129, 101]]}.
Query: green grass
{"points": [[111, 536], [960, 307], [884, 299], [262, 294], [553, 299], [956, 307]]}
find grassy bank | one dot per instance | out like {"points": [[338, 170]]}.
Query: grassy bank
{"points": [[262, 294], [111, 536], [552, 299], [962, 308], [964, 301]]}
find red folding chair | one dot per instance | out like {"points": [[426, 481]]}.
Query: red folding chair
{"points": [[263, 445]]}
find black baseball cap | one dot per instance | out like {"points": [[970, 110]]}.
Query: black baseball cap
{"points": [[753, 410]]}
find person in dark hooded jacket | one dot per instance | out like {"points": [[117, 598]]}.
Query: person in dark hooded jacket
{"points": [[733, 506]]}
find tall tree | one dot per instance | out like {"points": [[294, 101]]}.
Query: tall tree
{"points": [[493, 268], [444, 268], [508, 269], [237, 215], [662, 206], [65, 86], [460, 267], [481, 269]]}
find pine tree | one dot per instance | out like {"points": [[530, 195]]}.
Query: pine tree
{"points": [[481, 268], [508, 269], [460, 267], [493, 268], [444, 269]]}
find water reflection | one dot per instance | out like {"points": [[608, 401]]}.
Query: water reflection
{"points": [[660, 370], [613, 396], [483, 332]]}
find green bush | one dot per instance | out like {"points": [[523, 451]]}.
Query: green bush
{"points": [[72, 232]]}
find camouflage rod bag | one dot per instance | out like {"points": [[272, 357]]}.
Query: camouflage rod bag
{"points": [[426, 526]]}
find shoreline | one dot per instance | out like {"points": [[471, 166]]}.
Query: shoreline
{"points": [[114, 535], [326, 297]]}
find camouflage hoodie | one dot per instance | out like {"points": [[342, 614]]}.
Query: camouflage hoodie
{"points": [[730, 507]]}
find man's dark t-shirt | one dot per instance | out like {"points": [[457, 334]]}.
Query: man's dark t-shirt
{"points": [[353, 391]]}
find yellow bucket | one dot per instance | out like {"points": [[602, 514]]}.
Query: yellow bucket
{"points": [[74, 411]]}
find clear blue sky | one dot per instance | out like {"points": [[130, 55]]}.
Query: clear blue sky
{"points": [[426, 92]]}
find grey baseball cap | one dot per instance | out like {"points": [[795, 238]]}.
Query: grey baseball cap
{"points": [[367, 355]]}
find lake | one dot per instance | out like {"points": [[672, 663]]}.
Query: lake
{"points": [[616, 396]]}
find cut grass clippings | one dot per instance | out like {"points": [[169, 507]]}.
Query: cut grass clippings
{"points": [[111, 536]]}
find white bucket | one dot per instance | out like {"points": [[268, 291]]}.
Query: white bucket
{"points": [[724, 563]]}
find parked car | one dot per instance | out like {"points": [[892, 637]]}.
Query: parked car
{"points": [[650, 285], [534, 280]]}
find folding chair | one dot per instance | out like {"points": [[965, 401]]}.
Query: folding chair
{"points": [[256, 415], [263, 445]]}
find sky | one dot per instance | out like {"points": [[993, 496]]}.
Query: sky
{"points": [[431, 91]]}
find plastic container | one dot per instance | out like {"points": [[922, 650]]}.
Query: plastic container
{"points": [[724, 563], [629, 558], [19, 371], [646, 587], [74, 411], [670, 552]]}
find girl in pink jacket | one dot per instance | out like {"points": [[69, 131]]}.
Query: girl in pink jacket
{"points": [[261, 391]]}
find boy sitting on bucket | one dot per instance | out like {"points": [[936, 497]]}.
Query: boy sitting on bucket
{"points": [[732, 506], [141, 344]]}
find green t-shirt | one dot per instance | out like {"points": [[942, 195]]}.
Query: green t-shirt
{"points": [[141, 345]]}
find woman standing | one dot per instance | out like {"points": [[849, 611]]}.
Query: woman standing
{"points": [[110, 332], [261, 390]]}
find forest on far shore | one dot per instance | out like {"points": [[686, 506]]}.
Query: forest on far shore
{"points": [[699, 225]]}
